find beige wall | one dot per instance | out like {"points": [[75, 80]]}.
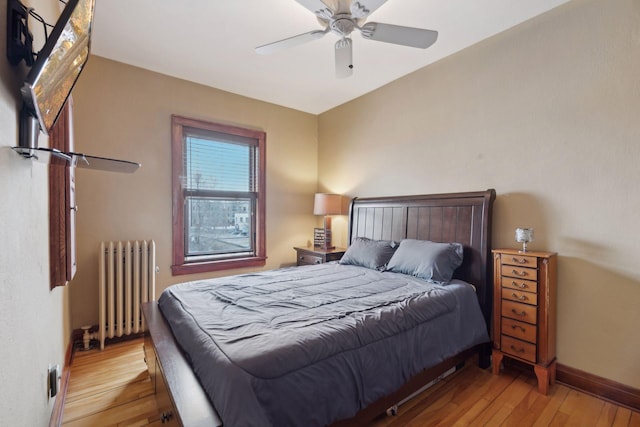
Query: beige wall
{"points": [[34, 326], [124, 112], [547, 114]]}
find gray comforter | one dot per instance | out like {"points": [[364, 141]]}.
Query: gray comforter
{"points": [[306, 346]]}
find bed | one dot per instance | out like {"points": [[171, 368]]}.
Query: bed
{"points": [[335, 343]]}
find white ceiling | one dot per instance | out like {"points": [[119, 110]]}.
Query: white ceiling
{"points": [[212, 42]]}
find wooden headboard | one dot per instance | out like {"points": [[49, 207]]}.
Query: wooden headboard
{"points": [[453, 217]]}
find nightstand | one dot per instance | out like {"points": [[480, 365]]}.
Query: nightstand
{"points": [[317, 255], [524, 311]]}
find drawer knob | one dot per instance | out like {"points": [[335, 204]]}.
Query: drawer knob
{"points": [[520, 297], [519, 285], [519, 273], [517, 350], [519, 260], [518, 313], [514, 327]]}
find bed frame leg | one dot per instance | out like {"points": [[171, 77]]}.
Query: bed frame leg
{"points": [[484, 356]]}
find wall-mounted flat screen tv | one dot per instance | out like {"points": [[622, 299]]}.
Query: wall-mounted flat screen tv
{"points": [[59, 63]]}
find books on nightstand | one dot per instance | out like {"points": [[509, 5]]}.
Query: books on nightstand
{"points": [[321, 237]]}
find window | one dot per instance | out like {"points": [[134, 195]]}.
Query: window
{"points": [[218, 196]]}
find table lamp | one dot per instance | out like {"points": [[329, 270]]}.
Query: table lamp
{"points": [[524, 236], [326, 205]]}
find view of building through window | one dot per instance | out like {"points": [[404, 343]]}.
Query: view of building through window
{"points": [[218, 226]]}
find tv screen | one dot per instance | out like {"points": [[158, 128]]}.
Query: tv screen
{"points": [[59, 63]]}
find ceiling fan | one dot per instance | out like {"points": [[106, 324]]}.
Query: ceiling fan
{"points": [[342, 17]]}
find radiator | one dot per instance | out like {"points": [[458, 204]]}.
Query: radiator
{"points": [[127, 279]]}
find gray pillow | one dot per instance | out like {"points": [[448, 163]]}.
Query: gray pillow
{"points": [[369, 253], [426, 260]]}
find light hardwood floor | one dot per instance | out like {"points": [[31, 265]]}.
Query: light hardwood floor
{"points": [[112, 388]]}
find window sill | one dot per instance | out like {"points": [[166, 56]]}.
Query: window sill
{"points": [[206, 266]]}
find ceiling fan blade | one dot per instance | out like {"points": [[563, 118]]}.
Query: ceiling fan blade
{"points": [[319, 8], [344, 58], [363, 8], [291, 42], [396, 34]]}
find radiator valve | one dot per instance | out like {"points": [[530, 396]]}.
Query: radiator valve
{"points": [[87, 337]]}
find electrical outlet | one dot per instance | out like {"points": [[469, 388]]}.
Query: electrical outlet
{"points": [[54, 376]]}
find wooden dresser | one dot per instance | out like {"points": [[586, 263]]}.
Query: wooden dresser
{"points": [[524, 311]]}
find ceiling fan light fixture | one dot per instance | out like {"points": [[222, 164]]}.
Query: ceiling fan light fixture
{"points": [[344, 58], [342, 17], [342, 24]]}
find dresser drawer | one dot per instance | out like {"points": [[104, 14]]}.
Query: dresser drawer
{"points": [[521, 330], [316, 255], [518, 311], [519, 260], [307, 259], [519, 272], [334, 256], [522, 285], [517, 348], [520, 296]]}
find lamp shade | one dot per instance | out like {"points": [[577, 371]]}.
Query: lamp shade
{"points": [[524, 235], [327, 204]]}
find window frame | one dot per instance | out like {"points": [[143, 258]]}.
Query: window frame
{"points": [[62, 209], [180, 264]]}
